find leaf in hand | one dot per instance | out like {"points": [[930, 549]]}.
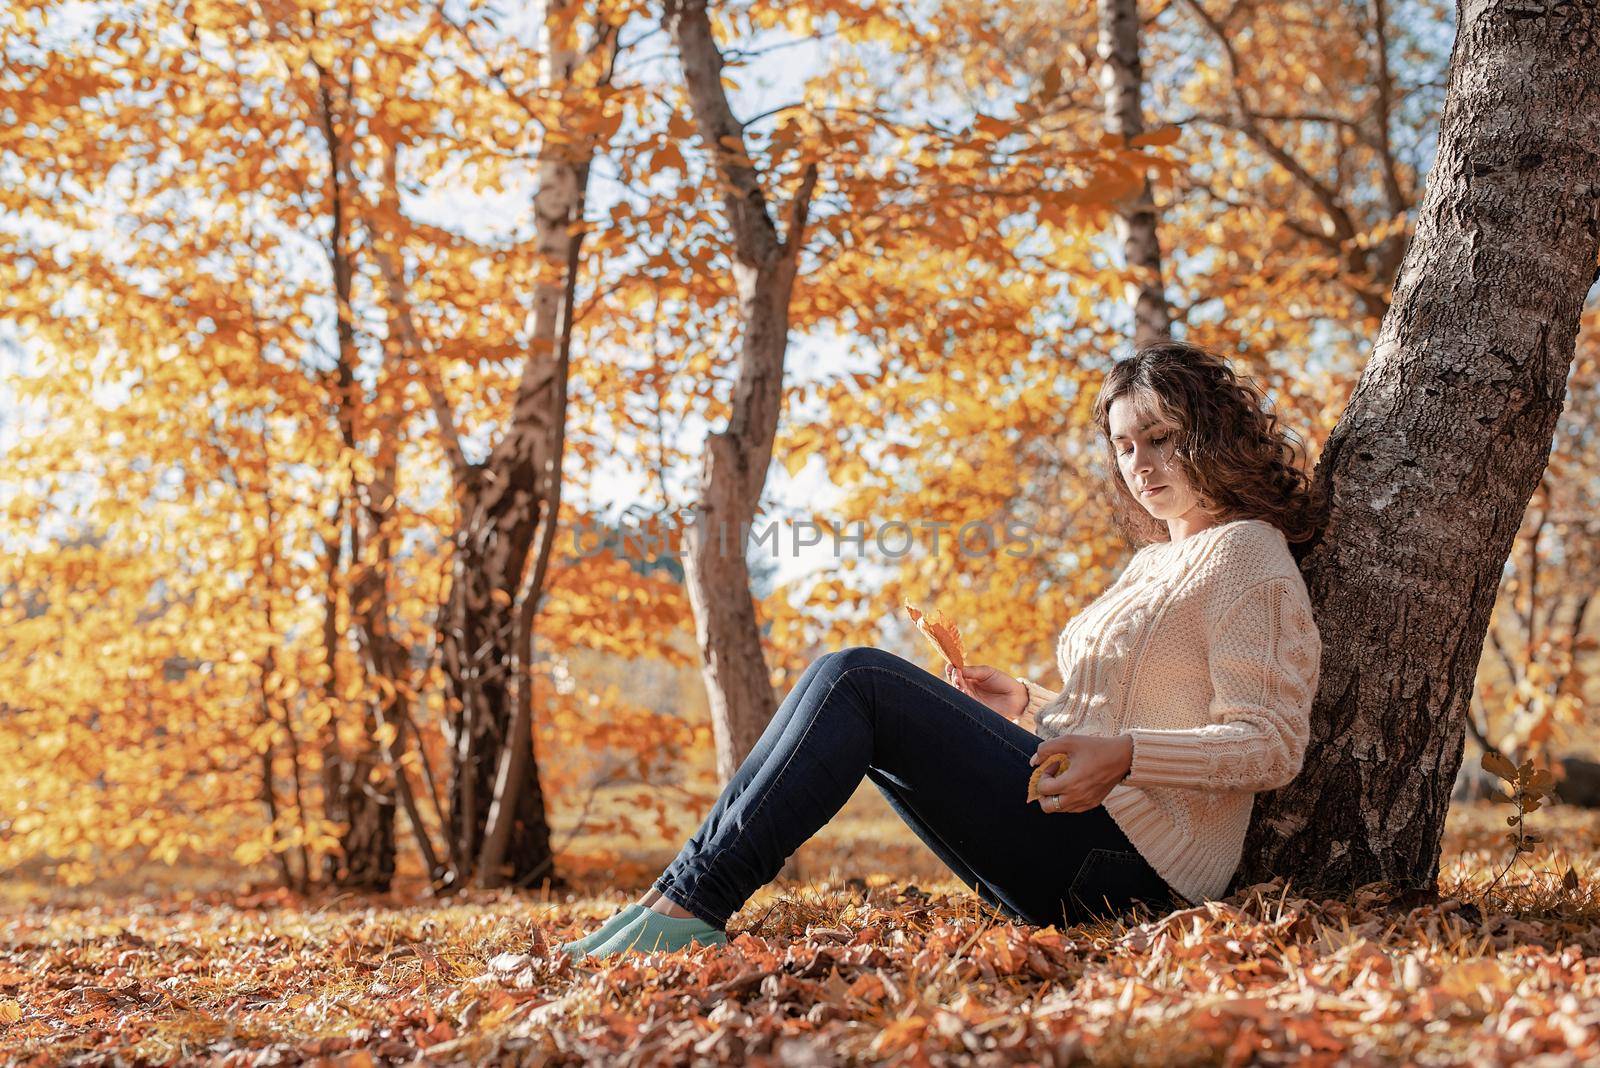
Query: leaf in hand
{"points": [[942, 633], [1046, 766]]}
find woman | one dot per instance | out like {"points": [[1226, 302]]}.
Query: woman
{"points": [[1187, 689]]}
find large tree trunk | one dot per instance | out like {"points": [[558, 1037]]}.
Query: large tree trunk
{"points": [[1122, 80], [1445, 439], [736, 460]]}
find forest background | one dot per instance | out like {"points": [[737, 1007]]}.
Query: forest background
{"points": [[261, 260]]}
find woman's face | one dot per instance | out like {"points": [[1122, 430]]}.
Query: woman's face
{"points": [[1144, 447]]}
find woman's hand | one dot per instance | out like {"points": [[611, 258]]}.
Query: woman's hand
{"points": [[1097, 764], [1001, 692]]}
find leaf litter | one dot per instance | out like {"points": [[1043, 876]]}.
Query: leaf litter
{"points": [[829, 972]]}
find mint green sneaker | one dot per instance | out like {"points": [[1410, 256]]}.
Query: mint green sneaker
{"points": [[580, 947], [650, 931]]}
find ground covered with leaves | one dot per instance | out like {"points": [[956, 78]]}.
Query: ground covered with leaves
{"points": [[881, 959]]}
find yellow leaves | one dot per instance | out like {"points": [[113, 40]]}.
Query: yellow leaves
{"points": [[597, 128], [188, 102], [991, 127], [323, 48], [351, 688], [1530, 787], [1525, 778], [679, 126], [385, 735], [217, 15], [804, 441], [1050, 86], [251, 851], [1274, 971], [281, 686], [1383, 231], [1480, 980]]}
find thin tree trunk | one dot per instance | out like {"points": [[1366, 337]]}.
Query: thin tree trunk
{"points": [[386, 659], [269, 668], [269, 793], [510, 797], [517, 761], [1122, 79], [736, 459], [366, 857], [332, 757], [497, 820], [365, 807], [1445, 438]]}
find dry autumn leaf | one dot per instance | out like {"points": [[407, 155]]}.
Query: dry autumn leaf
{"points": [[942, 633], [1047, 766]]}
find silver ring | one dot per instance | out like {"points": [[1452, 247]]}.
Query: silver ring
{"points": [[1057, 799]]}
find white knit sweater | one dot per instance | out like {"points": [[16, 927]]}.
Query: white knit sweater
{"points": [[1204, 650]]}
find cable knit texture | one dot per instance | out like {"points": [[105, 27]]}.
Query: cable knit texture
{"points": [[1205, 652]]}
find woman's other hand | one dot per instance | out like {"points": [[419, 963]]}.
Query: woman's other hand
{"points": [[996, 689], [1097, 764]]}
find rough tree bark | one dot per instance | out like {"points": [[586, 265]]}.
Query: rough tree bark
{"points": [[1442, 444], [736, 459], [1122, 80]]}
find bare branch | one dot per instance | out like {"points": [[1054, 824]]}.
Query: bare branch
{"points": [[443, 412], [1398, 200], [799, 210], [1328, 198]]}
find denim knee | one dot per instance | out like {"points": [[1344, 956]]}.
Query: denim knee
{"points": [[865, 656]]}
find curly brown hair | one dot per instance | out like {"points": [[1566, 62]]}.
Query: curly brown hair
{"points": [[1229, 444]]}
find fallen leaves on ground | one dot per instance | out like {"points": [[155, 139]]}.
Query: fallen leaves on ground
{"points": [[831, 972]]}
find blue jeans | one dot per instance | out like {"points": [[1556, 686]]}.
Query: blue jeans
{"points": [[955, 770]]}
